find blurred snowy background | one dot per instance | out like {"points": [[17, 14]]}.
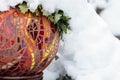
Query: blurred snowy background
{"points": [[89, 51], [110, 12]]}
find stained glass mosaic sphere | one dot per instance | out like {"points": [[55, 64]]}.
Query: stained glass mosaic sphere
{"points": [[28, 43]]}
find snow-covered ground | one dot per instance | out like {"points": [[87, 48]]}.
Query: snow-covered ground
{"points": [[89, 51]]}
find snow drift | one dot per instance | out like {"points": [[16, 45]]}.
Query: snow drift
{"points": [[89, 50]]}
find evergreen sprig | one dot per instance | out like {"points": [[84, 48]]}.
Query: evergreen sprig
{"points": [[23, 7], [61, 21], [56, 57], [58, 18], [66, 77]]}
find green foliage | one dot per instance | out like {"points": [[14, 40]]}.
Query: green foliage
{"points": [[56, 57], [44, 12], [37, 12], [61, 21], [23, 7], [58, 18], [66, 77]]}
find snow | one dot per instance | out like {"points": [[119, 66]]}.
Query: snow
{"points": [[99, 3], [110, 13], [112, 16], [89, 51]]}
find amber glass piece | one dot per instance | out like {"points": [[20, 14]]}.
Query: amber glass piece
{"points": [[15, 14]]}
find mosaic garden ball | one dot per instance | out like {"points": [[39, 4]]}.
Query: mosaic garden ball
{"points": [[28, 43]]}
